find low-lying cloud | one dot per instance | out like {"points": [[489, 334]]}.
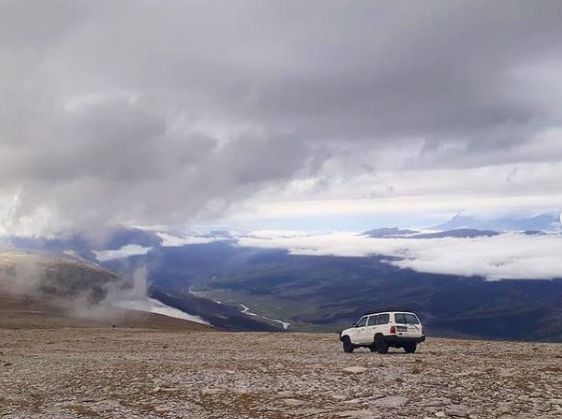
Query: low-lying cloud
{"points": [[121, 253], [172, 240], [154, 306], [506, 256]]}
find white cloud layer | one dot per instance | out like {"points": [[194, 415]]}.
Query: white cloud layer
{"points": [[122, 253], [506, 256], [172, 240]]}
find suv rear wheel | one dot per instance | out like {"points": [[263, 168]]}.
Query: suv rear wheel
{"points": [[410, 347], [347, 345], [380, 344]]}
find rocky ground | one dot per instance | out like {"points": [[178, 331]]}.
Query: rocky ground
{"points": [[133, 373]]}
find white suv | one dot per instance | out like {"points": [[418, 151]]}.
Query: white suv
{"points": [[378, 331]]}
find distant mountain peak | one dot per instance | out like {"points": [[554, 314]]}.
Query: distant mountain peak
{"points": [[389, 232], [458, 233], [547, 221]]}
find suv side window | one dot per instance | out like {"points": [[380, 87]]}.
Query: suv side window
{"points": [[372, 320], [362, 321], [383, 318]]}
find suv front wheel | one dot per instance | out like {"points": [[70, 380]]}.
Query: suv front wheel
{"points": [[347, 345]]}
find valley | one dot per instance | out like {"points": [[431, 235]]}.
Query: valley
{"points": [[326, 293], [214, 276]]}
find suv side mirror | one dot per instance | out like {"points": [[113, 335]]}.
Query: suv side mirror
{"points": [[354, 325]]}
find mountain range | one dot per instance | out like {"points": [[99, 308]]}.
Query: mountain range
{"points": [[548, 221], [395, 233], [237, 287]]}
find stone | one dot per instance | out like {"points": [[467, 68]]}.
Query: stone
{"points": [[294, 402], [458, 411], [391, 401], [355, 370], [353, 401], [241, 391], [210, 391], [357, 414], [163, 409], [285, 394]]}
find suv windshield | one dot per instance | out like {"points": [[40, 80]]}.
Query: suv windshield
{"points": [[361, 322], [406, 318]]}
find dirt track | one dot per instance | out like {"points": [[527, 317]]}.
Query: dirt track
{"points": [[124, 373]]}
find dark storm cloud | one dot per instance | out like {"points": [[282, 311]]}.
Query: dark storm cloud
{"points": [[152, 112]]}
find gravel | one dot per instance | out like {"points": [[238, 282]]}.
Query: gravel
{"points": [[134, 373]]}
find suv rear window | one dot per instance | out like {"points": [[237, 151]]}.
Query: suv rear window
{"points": [[406, 318]]}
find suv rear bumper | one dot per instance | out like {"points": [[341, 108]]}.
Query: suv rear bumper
{"points": [[403, 339]]}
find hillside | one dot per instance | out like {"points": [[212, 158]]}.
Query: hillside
{"points": [[21, 312], [41, 291]]}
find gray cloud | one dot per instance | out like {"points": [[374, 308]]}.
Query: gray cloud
{"points": [[148, 112]]}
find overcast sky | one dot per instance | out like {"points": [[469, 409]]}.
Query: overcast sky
{"points": [[245, 113]]}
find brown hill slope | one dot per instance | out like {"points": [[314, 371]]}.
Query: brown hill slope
{"points": [[40, 291], [23, 312]]}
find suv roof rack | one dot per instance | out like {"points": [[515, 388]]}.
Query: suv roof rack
{"points": [[384, 310]]}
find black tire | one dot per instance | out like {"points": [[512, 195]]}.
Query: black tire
{"points": [[380, 344], [372, 348], [347, 345], [410, 347]]}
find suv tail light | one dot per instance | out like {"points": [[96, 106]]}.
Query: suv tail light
{"points": [[392, 330]]}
